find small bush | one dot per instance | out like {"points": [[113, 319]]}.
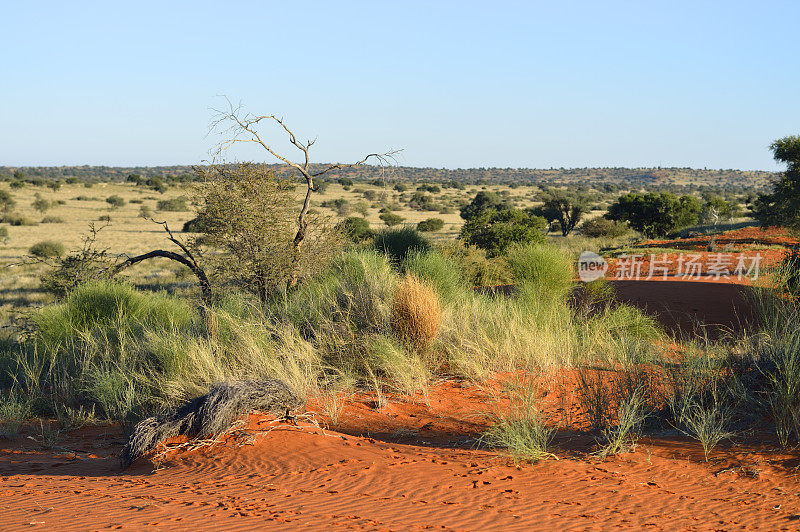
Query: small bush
{"points": [[17, 220], [431, 224], [397, 243], [495, 230], [104, 218], [622, 437], [340, 205], [147, 212], [439, 271], [356, 228], [520, 428], [603, 227], [7, 202], [52, 220], [416, 313], [542, 267], [115, 201], [47, 249], [391, 219], [172, 205], [13, 411], [476, 267], [4, 234]]}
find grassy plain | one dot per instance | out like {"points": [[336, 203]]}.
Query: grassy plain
{"points": [[76, 206]]}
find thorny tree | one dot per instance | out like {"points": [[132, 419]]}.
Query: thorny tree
{"points": [[246, 223], [241, 127]]}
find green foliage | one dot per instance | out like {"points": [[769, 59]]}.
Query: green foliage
{"points": [[782, 205], [520, 429], [356, 228], [41, 204], [147, 212], [16, 184], [340, 205], [476, 267], [13, 411], [565, 207], [716, 209], [79, 267], [655, 214], [391, 219], [439, 271], [398, 243], [495, 230], [602, 227], [622, 436], [7, 202], [433, 189], [52, 220], [430, 225], [423, 202], [156, 184], [47, 249], [483, 202], [3, 234], [196, 225], [115, 201], [248, 219], [108, 309], [541, 268], [173, 204]]}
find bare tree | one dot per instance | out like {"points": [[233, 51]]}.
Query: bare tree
{"points": [[239, 126], [187, 259]]}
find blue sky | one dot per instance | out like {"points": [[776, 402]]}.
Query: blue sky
{"points": [[452, 84]]}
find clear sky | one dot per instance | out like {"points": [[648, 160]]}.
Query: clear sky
{"points": [[453, 84]]}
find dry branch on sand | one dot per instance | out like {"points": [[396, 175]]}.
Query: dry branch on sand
{"points": [[210, 414]]}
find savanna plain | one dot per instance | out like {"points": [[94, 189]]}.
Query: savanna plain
{"points": [[438, 360]]}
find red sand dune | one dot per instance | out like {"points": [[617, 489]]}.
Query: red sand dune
{"points": [[689, 307], [409, 466], [414, 464]]}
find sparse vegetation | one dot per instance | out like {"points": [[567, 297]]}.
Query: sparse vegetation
{"points": [[115, 201], [47, 249]]}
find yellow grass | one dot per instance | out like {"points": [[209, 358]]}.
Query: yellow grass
{"points": [[129, 233], [416, 312]]}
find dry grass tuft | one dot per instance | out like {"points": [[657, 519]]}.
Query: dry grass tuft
{"points": [[416, 312]]}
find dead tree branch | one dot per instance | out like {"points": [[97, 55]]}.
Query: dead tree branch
{"points": [[242, 127]]}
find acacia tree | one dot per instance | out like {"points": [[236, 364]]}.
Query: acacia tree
{"points": [[564, 207], [242, 127], [782, 205], [245, 215], [246, 218]]}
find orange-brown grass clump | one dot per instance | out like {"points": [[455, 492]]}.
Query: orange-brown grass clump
{"points": [[416, 312]]}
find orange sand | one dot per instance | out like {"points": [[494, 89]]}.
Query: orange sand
{"points": [[411, 465], [406, 467]]}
